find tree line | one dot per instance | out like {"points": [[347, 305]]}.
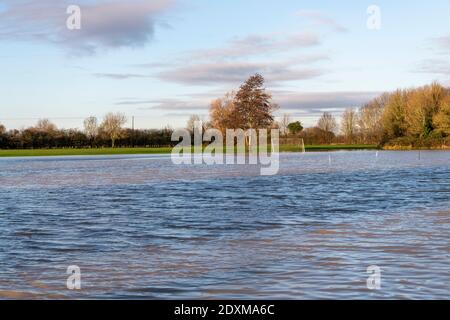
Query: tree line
{"points": [[109, 133], [417, 117]]}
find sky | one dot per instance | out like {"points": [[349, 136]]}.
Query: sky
{"points": [[164, 60]]}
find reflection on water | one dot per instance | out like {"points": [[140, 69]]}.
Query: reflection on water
{"points": [[140, 227]]}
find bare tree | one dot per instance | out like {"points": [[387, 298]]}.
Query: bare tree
{"points": [[369, 119], [91, 127], [112, 125], [2, 129], [327, 123], [191, 122], [284, 123], [349, 124], [45, 125]]}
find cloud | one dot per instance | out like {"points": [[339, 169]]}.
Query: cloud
{"points": [[321, 19], [119, 76], [104, 24], [133, 101], [176, 104], [308, 106], [167, 104], [315, 103], [153, 65], [238, 59], [251, 45], [443, 43], [185, 115], [235, 72], [435, 66], [438, 65]]}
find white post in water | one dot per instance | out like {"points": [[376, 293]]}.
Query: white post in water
{"points": [[303, 146]]}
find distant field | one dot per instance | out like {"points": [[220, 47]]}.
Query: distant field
{"points": [[118, 151]]}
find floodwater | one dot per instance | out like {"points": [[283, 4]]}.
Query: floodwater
{"points": [[141, 227]]}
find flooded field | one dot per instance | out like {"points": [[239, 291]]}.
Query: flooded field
{"points": [[141, 227]]}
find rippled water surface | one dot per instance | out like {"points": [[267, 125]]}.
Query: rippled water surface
{"points": [[141, 227]]}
